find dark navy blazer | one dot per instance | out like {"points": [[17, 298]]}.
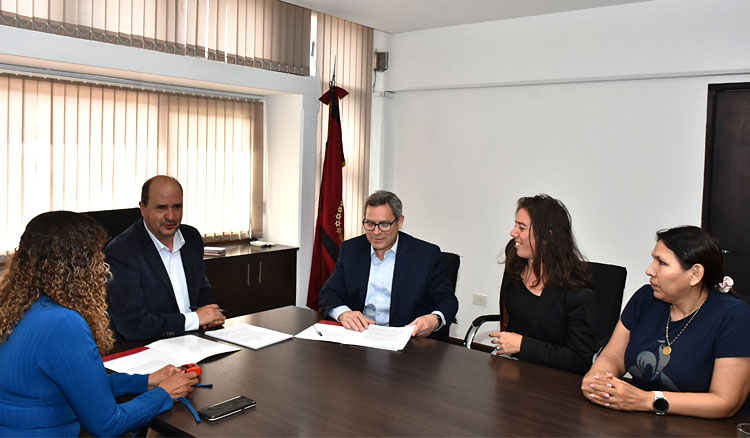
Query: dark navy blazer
{"points": [[419, 286], [140, 297]]}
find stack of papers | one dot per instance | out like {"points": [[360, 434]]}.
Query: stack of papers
{"points": [[262, 244], [375, 336], [214, 250], [173, 351], [249, 336]]}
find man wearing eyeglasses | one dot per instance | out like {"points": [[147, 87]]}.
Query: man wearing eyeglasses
{"points": [[388, 277]]}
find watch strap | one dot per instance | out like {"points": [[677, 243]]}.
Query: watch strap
{"points": [[440, 320]]}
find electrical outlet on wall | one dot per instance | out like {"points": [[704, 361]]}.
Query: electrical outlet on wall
{"points": [[479, 299]]}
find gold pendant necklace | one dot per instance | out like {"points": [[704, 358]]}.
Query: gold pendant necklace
{"points": [[668, 349]]}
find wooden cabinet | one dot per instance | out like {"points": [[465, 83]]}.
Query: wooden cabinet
{"points": [[250, 279]]}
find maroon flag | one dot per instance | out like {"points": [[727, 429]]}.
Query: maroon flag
{"points": [[329, 228]]}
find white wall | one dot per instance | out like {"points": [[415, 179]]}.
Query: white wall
{"points": [[290, 173], [291, 125], [654, 38], [486, 113]]}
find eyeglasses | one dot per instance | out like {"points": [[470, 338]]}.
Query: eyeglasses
{"points": [[384, 226]]}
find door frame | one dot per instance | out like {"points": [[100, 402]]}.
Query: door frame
{"points": [[713, 90]]}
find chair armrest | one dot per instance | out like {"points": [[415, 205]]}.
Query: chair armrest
{"points": [[469, 338]]}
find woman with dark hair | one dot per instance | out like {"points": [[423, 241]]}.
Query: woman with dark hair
{"points": [[683, 338], [546, 298], [54, 328]]}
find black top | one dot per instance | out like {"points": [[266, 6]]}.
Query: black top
{"points": [[524, 305], [557, 327]]}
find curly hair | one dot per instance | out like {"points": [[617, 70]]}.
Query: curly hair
{"points": [[60, 256], [557, 260]]}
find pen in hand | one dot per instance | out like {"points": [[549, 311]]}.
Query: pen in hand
{"points": [[316, 330]]}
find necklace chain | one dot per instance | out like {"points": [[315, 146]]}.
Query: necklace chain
{"points": [[668, 349]]}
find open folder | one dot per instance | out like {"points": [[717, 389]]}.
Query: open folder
{"points": [[375, 336], [172, 351]]}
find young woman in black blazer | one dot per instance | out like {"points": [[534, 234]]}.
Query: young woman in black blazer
{"points": [[547, 300]]}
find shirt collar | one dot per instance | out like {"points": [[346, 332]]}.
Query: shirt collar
{"points": [[177, 243], [393, 249]]}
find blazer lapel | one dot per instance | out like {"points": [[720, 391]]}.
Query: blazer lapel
{"points": [[188, 265], [399, 271], [364, 273], [154, 262]]}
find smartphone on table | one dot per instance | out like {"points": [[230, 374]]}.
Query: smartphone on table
{"points": [[226, 408]]}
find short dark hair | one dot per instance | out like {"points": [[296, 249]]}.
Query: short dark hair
{"points": [[382, 197], [557, 259], [693, 245], [147, 186]]}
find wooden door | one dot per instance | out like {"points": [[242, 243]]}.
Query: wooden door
{"points": [[726, 192]]}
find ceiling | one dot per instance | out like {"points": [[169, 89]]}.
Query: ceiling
{"points": [[397, 16]]}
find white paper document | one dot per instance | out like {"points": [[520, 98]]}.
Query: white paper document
{"points": [[249, 336], [175, 351], [375, 336]]}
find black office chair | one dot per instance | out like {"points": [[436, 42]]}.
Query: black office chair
{"points": [[115, 221], [451, 262], [609, 284]]}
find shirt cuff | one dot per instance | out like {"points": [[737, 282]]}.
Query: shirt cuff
{"points": [[337, 311], [191, 322], [442, 318]]}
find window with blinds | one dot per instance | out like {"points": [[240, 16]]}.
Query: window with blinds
{"points": [[71, 146], [268, 34]]}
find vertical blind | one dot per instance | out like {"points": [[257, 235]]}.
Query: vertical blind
{"points": [[351, 46], [268, 34], [78, 147]]}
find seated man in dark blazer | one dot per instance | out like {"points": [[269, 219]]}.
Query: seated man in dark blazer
{"points": [[387, 277], [159, 286]]}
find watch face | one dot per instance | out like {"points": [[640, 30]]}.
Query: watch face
{"points": [[661, 406]]}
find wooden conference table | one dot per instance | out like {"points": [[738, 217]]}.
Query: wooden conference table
{"points": [[431, 388]]}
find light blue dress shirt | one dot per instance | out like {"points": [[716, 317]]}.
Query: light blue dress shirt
{"points": [[173, 264], [378, 299]]}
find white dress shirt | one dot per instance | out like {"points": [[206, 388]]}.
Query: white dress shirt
{"points": [[173, 264]]}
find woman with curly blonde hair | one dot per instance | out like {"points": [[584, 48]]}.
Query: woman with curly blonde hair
{"points": [[53, 330]]}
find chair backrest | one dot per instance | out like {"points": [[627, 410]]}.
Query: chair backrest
{"points": [[115, 221], [451, 262], [609, 284]]}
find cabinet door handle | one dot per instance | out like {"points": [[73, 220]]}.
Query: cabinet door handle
{"points": [[260, 272], [248, 274]]}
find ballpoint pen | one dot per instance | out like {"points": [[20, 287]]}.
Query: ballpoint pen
{"points": [[316, 330]]}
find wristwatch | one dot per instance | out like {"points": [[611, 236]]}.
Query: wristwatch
{"points": [[440, 320], [661, 405]]}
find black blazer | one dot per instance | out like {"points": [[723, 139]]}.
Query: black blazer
{"points": [[562, 333], [419, 286], [140, 297]]}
